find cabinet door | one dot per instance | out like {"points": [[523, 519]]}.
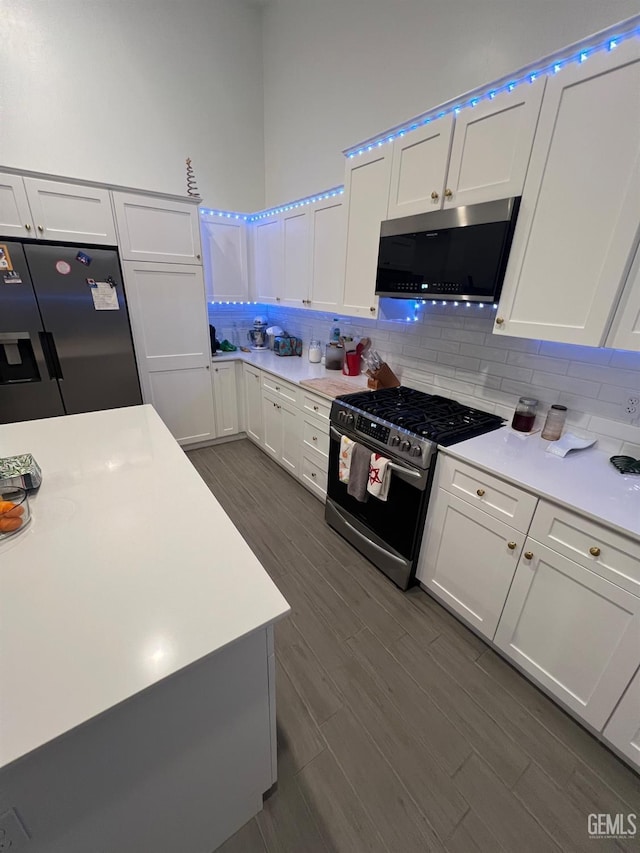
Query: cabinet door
{"points": [[468, 561], [623, 729], [327, 233], [294, 287], [171, 336], [157, 230], [253, 403], [291, 438], [366, 198], [419, 169], [225, 399], [71, 212], [625, 330], [572, 631], [578, 219], [272, 425], [492, 145], [267, 259], [15, 216], [224, 248]]}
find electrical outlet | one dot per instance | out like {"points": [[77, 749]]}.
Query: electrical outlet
{"points": [[631, 406], [13, 835]]}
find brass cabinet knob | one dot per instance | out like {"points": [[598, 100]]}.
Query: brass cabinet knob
{"points": [[27, 226], [314, 437], [595, 551], [40, 228], [277, 299], [198, 257], [216, 369], [479, 492], [313, 474], [435, 196], [207, 367], [315, 408], [448, 193], [372, 309], [499, 321], [528, 555], [511, 546]]}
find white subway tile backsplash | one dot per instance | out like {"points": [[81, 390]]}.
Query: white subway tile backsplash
{"points": [[629, 449], [453, 351]]}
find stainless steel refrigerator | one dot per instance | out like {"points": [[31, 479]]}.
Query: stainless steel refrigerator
{"points": [[65, 338]]}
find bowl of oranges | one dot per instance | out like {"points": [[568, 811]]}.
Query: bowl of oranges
{"points": [[14, 510]]}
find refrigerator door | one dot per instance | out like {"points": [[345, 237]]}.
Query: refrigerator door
{"points": [[90, 342], [28, 385]]}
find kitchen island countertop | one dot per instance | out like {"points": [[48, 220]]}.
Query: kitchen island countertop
{"points": [[128, 571]]}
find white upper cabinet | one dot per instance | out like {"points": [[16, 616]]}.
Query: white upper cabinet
{"points": [[294, 285], [418, 169], [578, 221], [224, 247], [366, 198], [625, 329], [268, 258], [15, 215], [492, 145], [157, 230], [51, 210], [326, 237]]}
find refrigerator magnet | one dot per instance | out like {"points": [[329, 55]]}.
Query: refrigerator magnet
{"points": [[5, 258], [84, 258], [11, 277], [63, 267]]}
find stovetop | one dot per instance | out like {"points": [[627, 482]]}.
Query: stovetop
{"points": [[410, 423]]}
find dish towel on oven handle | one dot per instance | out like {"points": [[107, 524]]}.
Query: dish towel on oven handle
{"points": [[359, 473], [379, 476], [344, 459]]}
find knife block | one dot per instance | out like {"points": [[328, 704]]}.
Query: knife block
{"points": [[383, 377]]}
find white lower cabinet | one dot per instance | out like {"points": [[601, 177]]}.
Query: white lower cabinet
{"points": [[281, 431], [315, 448], [184, 401], [623, 729], [225, 399], [572, 631], [253, 403], [468, 560]]}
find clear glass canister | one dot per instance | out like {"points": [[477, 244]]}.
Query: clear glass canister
{"points": [[525, 414], [554, 423], [14, 510], [334, 357], [315, 352]]}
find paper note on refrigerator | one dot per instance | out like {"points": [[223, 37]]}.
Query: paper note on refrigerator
{"points": [[105, 297]]}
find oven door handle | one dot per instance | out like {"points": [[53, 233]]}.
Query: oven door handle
{"points": [[372, 543], [408, 472]]}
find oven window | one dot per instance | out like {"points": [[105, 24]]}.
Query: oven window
{"points": [[398, 520]]}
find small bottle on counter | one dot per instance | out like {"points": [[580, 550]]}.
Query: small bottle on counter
{"points": [[554, 423], [525, 414], [335, 331], [315, 352]]}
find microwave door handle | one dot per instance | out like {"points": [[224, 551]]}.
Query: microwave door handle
{"points": [[408, 472]]}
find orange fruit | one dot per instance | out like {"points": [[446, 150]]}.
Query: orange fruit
{"points": [[8, 525], [8, 508]]}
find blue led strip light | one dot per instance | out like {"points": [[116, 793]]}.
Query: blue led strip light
{"points": [[225, 214], [272, 211], [489, 93]]}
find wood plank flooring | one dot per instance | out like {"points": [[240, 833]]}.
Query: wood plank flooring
{"points": [[399, 730]]}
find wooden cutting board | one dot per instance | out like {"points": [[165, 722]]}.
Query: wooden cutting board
{"points": [[330, 387]]}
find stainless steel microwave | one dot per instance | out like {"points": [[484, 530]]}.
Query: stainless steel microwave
{"points": [[459, 253]]}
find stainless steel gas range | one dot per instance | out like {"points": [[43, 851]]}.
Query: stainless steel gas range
{"points": [[405, 426]]}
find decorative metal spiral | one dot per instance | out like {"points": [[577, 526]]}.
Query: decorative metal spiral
{"points": [[192, 189]]}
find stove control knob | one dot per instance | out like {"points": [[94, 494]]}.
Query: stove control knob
{"points": [[405, 445], [341, 417], [395, 440], [416, 450], [349, 418]]}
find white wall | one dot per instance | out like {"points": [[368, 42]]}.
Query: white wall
{"points": [[122, 91], [339, 71]]}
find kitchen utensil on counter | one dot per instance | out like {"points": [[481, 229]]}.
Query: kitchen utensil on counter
{"points": [[626, 464], [272, 334], [315, 352], [525, 414], [351, 366], [257, 335], [554, 424], [14, 510], [334, 356]]}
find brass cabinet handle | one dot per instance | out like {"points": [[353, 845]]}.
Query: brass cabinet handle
{"points": [[479, 492], [27, 226], [435, 196], [595, 551], [528, 555], [448, 193], [511, 546], [499, 321], [40, 228]]}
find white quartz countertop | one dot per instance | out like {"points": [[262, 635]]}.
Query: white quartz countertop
{"points": [[128, 571], [583, 480], [292, 368]]}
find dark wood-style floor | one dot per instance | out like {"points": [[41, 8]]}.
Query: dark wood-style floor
{"points": [[399, 730]]}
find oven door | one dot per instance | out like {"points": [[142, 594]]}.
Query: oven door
{"points": [[386, 532]]}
